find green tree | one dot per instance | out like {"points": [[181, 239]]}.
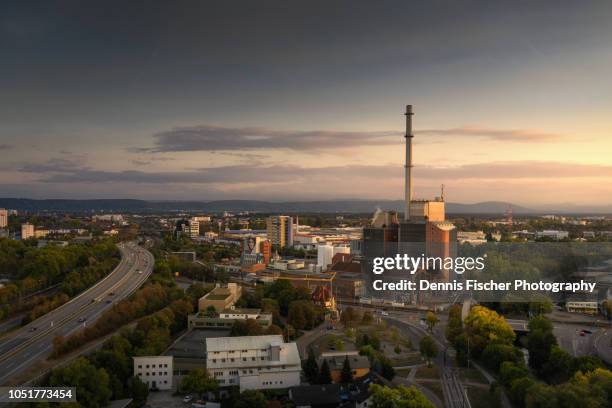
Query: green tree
{"points": [[428, 348], [92, 383], [311, 368], [139, 391], [495, 354], [324, 374], [518, 390], [558, 367], [367, 318], [455, 326], [346, 375], [400, 397], [540, 342], [199, 382], [510, 371], [251, 399]]}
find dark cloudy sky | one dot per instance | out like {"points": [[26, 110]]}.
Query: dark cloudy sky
{"points": [[304, 99]]}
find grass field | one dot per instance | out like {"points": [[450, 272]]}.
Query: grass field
{"points": [[430, 373]]}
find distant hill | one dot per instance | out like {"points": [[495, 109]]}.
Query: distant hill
{"points": [[329, 206]]}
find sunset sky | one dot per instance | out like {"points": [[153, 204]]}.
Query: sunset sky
{"points": [[288, 100]]}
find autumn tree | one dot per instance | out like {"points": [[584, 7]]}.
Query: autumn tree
{"points": [[483, 327], [431, 320]]}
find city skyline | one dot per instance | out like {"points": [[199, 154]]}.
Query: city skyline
{"points": [[266, 101]]}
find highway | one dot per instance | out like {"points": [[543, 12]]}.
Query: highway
{"points": [[22, 348]]}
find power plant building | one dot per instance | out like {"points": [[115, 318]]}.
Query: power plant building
{"points": [[424, 230]]}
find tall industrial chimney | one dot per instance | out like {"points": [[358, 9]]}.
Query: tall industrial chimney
{"points": [[408, 165]]}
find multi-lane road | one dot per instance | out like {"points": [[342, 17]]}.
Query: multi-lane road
{"points": [[23, 348]]}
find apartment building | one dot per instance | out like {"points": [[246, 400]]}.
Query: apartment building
{"points": [[253, 362], [279, 230]]}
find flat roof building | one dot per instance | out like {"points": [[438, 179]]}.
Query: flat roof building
{"points": [[253, 362]]}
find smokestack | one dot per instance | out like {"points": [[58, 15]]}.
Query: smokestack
{"points": [[408, 165]]}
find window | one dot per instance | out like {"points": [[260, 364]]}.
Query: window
{"points": [[232, 360], [223, 360], [153, 366], [139, 365], [214, 360], [243, 358], [262, 359], [147, 366], [253, 358]]}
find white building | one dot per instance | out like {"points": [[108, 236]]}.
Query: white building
{"points": [[27, 231], [326, 252], [155, 371], [108, 217], [253, 362], [3, 218], [553, 234], [201, 218], [471, 237]]}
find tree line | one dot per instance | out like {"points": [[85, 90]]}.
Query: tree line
{"points": [[74, 267]]}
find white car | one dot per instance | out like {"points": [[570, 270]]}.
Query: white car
{"points": [[383, 313], [187, 398]]}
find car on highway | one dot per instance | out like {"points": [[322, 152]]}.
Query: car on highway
{"points": [[187, 398], [585, 331], [111, 293], [109, 301], [32, 329], [81, 319], [383, 313]]}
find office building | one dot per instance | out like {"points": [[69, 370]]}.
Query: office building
{"points": [[280, 230], [155, 371], [253, 362]]}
